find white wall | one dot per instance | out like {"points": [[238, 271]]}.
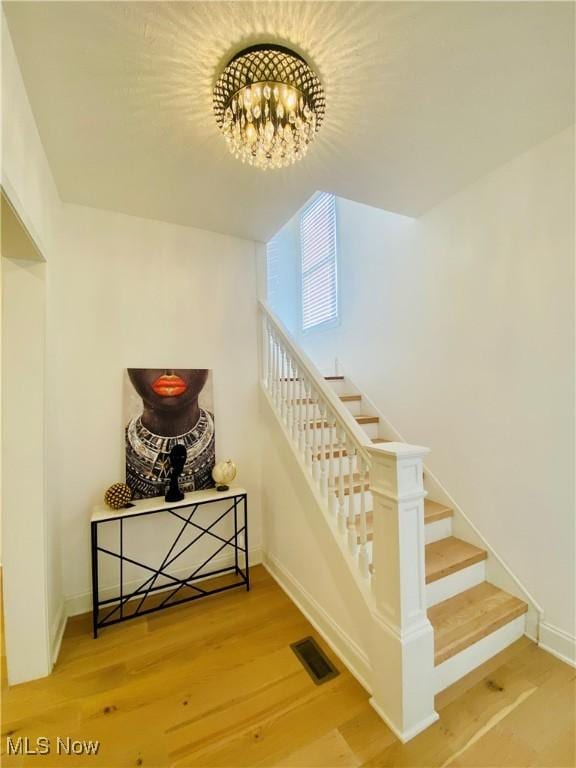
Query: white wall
{"points": [[128, 292], [459, 326], [26, 175], [25, 523], [27, 182], [122, 292], [283, 275], [302, 553]]}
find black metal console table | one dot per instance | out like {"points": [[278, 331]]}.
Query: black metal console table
{"points": [[150, 596]]}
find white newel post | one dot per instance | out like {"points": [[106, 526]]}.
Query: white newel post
{"points": [[264, 350], [402, 648]]}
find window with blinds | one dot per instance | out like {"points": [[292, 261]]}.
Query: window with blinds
{"points": [[318, 255]]}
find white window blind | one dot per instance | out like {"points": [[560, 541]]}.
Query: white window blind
{"points": [[318, 254]]}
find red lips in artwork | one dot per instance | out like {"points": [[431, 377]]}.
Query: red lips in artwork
{"points": [[169, 385]]}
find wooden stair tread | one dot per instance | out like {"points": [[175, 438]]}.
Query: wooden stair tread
{"points": [[314, 401], [326, 378], [450, 555], [367, 419], [469, 616], [434, 510], [317, 423]]}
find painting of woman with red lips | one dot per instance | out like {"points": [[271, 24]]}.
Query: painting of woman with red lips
{"points": [[167, 407]]}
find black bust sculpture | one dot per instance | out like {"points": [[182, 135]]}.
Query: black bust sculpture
{"points": [[177, 459]]}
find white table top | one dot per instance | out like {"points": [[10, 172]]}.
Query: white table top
{"points": [[102, 512]]}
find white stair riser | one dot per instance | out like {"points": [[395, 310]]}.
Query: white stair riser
{"points": [[354, 406], [455, 583], [441, 529], [464, 662], [339, 386], [371, 430]]}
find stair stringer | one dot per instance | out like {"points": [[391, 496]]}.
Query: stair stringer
{"points": [[497, 571], [349, 633]]}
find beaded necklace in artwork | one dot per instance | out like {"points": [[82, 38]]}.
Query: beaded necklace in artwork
{"points": [[148, 464]]}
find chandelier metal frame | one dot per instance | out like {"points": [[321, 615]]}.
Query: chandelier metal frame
{"points": [[269, 104]]}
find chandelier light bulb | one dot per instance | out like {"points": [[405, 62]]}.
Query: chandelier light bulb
{"points": [[269, 104], [291, 99]]}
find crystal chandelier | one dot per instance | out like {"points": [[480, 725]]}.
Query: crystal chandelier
{"points": [[268, 104]]}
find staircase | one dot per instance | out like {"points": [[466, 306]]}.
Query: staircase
{"points": [[435, 615], [463, 607]]}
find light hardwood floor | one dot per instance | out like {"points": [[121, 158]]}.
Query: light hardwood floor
{"points": [[215, 683]]}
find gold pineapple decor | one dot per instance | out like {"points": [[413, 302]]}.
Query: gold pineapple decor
{"points": [[118, 495]]}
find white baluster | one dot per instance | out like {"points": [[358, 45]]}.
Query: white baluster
{"points": [[309, 425], [363, 555], [286, 385], [283, 398], [280, 376], [302, 429], [275, 381], [341, 442], [316, 433], [352, 534], [269, 343], [288, 376], [296, 413], [291, 403], [323, 449], [263, 321], [332, 495]]}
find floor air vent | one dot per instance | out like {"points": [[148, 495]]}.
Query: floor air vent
{"points": [[314, 660]]}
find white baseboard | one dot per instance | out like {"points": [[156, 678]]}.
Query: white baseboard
{"points": [[404, 736], [557, 642], [351, 655], [82, 603], [57, 631]]}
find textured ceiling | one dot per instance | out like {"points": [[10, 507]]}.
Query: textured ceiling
{"points": [[422, 98]]}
